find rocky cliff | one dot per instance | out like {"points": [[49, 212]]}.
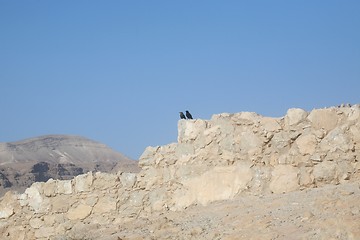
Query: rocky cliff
{"points": [[235, 159]]}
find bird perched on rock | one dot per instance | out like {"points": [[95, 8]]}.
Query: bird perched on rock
{"points": [[188, 115], [182, 116]]}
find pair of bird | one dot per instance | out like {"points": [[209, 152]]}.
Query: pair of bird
{"points": [[188, 115]]}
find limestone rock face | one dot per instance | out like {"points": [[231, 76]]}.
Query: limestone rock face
{"points": [[232, 157]]}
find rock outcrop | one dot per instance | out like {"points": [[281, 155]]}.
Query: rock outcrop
{"points": [[228, 158]]}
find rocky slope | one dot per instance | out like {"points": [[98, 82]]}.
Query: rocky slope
{"points": [[55, 156], [236, 176]]}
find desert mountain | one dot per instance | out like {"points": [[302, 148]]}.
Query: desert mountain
{"points": [[58, 157]]}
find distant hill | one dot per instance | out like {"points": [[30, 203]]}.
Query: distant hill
{"points": [[58, 157]]}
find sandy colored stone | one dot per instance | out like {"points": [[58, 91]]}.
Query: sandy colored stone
{"points": [[217, 184], [189, 130], [91, 200], [50, 188], [64, 187], [325, 172], [50, 220], [325, 119], [44, 232], [105, 180], [306, 144], [35, 199], [18, 233], [128, 180], [83, 182], [249, 141], [284, 179], [157, 199], [270, 124], [147, 157], [36, 223], [294, 116], [336, 139], [61, 204], [80, 212], [105, 204], [9, 205]]}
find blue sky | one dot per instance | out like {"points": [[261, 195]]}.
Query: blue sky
{"points": [[120, 71]]}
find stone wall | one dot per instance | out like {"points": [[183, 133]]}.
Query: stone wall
{"points": [[245, 153], [217, 159], [62, 207]]}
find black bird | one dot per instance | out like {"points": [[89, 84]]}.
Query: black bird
{"points": [[182, 116], [188, 115]]}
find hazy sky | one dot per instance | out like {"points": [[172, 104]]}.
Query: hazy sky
{"points": [[120, 71]]}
